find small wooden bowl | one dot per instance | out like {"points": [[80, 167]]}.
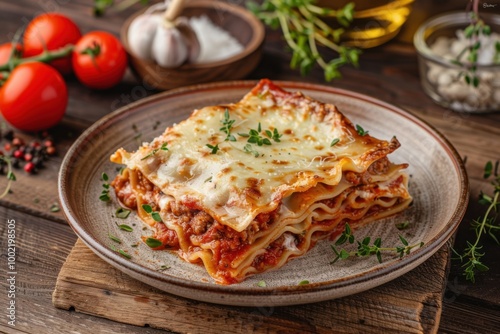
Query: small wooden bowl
{"points": [[239, 22]]}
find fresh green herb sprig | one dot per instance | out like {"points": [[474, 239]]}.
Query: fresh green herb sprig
{"points": [[365, 248], [227, 123], [163, 147], [303, 28], [105, 191], [487, 224], [473, 32], [10, 175], [274, 135], [254, 136]]}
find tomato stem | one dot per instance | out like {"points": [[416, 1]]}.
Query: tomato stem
{"points": [[44, 57]]}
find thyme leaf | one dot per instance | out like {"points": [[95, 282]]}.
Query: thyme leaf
{"points": [[153, 243], [125, 227], [122, 213], [214, 148], [360, 130]]}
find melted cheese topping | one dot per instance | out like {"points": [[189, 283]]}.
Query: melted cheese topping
{"points": [[239, 182]]}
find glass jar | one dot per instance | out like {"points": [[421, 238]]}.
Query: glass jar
{"points": [[443, 80]]}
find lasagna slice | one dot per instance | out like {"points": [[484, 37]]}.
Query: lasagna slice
{"points": [[243, 188]]}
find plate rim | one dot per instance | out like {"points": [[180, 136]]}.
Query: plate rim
{"points": [[418, 255]]}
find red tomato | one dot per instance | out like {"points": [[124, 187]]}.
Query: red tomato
{"points": [[34, 97], [99, 60], [54, 31], [6, 49]]}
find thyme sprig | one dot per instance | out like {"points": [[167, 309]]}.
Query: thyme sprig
{"points": [[274, 135], [472, 32], [254, 136], [366, 248], [105, 188], [304, 29], [163, 147], [10, 175], [487, 224], [227, 123]]}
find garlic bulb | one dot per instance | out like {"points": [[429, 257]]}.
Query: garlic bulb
{"points": [[141, 34], [169, 47], [167, 39]]}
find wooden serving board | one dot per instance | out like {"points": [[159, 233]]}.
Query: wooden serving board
{"points": [[411, 303]]}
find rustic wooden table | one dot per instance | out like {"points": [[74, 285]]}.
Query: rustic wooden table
{"points": [[44, 239]]}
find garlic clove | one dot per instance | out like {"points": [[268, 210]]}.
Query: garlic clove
{"points": [[141, 34], [169, 47], [192, 42]]}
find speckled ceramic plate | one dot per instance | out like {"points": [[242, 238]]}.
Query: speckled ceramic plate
{"points": [[438, 184]]}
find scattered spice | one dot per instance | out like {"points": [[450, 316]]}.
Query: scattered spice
{"points": [[163, 267], [403, 225], [54, 208]]}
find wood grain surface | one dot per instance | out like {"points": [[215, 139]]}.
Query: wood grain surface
{"points": [[388, 72], [408, 304]]}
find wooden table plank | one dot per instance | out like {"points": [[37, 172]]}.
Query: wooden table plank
{"points": [[405, 305], [41, 249]]}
